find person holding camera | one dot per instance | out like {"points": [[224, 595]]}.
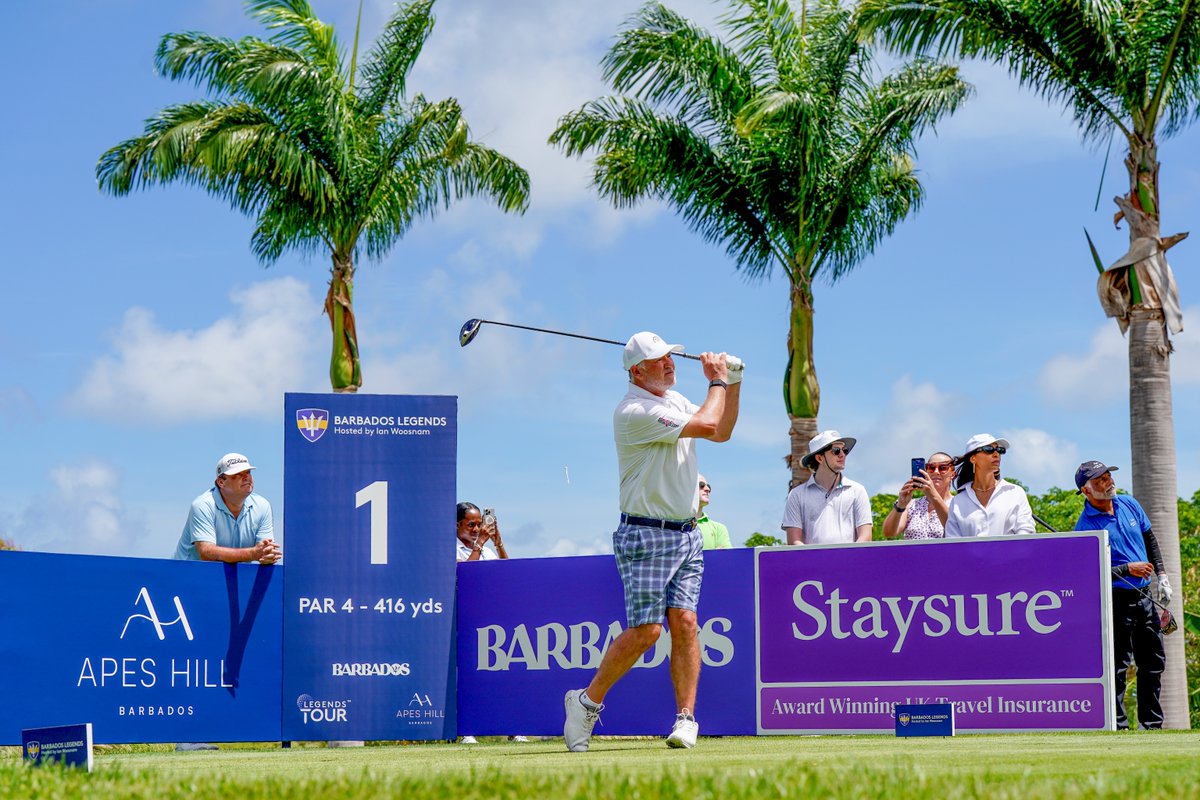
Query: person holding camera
{"points": [[475, 531], [921, 518]]}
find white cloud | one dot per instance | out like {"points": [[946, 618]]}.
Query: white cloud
{"points": [[571, 547], [236, 367], [1068, 379], [82, 514], [1039, 459], [912, 425], [419, 358]]}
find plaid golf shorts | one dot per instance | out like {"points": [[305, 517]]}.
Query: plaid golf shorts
{"points": [[659, 569]]}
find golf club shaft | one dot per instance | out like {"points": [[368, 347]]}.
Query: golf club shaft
{"points": [[572, 335]]}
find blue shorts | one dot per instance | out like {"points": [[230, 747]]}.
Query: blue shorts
{"points": [[659, 569]]}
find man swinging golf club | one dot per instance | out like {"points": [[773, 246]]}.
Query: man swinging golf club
{"points": [[658, 548]]}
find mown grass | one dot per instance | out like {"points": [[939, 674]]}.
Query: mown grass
{"points": [[1162, 765]]}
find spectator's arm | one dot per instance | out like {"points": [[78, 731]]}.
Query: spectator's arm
{"points": [[1153, 552], [263, 552]]}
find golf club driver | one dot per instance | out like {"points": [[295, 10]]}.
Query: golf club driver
{"points": [[470, 330]]}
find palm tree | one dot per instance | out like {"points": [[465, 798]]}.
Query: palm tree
{"points": [[781, 145], [328, 158], [1129, 67]]}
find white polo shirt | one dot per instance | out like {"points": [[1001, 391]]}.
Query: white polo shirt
{"points": [[1007, 512], [659, 476], [827, 518]]}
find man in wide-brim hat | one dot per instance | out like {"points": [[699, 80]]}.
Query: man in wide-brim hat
{"points": [[828, 508]]}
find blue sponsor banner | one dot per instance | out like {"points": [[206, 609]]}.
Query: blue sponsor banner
{"points": [[62, 744], [369, 492], [148, 650], [924, 719], [530, 629]]}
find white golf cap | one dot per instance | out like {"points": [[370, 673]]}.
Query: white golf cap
{"points": [[983, 440], [232, 464], [823, 440], [647, 345]]}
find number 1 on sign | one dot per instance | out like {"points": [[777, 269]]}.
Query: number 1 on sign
{"points": [[376, 495]]}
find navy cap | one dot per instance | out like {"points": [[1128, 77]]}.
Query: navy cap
{"points": [[1088, 470]]}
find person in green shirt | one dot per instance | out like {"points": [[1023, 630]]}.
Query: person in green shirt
{"points": [[716, 535]]}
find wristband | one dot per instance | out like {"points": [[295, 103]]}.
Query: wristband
{"points": [[896, 505], [718, 382]]}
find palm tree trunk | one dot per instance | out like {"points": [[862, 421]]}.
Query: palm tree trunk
{"points": [[345, 371], [1151, 423], [1152, 444], [802, 393]]}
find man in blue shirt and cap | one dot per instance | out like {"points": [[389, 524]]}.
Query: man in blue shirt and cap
{"points": [[229, 522], [1136, 559]]}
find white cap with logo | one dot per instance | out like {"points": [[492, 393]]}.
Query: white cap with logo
{"points": [[647, 345], [233, 464]]}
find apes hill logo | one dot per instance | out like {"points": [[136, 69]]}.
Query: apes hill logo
{"points": [[312, 422], [151, 616]]}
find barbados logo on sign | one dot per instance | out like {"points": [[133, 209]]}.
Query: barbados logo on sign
{"points": [[33, 750], [905, 719], [312, 422]]}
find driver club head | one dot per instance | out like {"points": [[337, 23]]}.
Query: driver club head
{"points": [[469, 331]]}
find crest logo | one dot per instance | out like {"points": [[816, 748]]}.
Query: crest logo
{"points": [[33, 750], [151, 616], [904, 719], [312, 422]]}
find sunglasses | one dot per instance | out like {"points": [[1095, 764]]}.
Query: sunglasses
{"points": [[945, 466], [837, 451], [992, 448], [704, 485]]}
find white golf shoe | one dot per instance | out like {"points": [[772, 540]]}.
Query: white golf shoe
{"points": [[684, 732], [580, 720]]}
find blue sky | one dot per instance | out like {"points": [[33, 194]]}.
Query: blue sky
{"points": [[142, 340]]}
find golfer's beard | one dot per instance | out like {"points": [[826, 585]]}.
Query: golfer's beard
{"points": [[1107, 495], [661, 386]]}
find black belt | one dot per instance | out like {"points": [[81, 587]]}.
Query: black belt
{"points": [[667, 524]]}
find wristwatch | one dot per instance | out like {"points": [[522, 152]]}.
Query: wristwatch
{"points": [[718, 382]]}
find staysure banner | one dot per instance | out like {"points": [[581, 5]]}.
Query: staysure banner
{"points": [[147, 650], [369, 489], [530, 629], [1013, 631]]}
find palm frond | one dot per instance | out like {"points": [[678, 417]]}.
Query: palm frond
{"points": [[664, 59], [767, 37], [385, 73], [1063, 51], [644, 155], [295, 25]]}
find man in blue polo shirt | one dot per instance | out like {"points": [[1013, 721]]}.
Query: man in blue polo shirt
{"points": [[1136, 559], [229, 522]]}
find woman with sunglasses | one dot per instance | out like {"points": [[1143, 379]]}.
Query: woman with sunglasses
{"points": [[986, 505], [922, 518]]}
